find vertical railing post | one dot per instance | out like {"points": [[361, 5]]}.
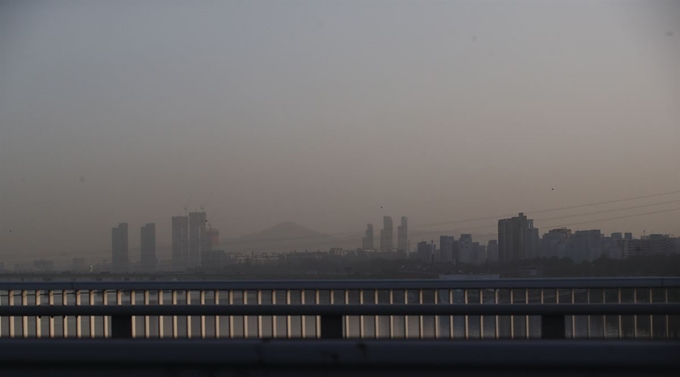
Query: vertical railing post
{"points": [[105, 319], [217, 318], [391, 316], [24, 319], [376, 319], [421, 320], [174, 317], [467, 320], [38, 322], [497, 331], [436, 318], [147, 327], [303, 322], [161, 322], [231, 317], [64, 319], [259, 317], [187, 320], [481, 317], [91, 318], [331, 327], [134, 318], [451, 318], [317, 319], [244, 294], [552, 327], [79, 324], [10, 302], [50, 322], [274, 332], [361, 317], [202, 299]]}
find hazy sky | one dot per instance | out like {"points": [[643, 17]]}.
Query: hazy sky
{"points": [[322, 112]]}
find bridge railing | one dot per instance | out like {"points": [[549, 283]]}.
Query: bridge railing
{"points": [[145, 358], [454, 309]]}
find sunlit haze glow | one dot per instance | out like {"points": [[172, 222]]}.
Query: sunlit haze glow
{"points": [[332, 114]]}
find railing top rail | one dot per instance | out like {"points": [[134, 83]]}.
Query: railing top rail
{"points": [[568, 283], [340, 310]]}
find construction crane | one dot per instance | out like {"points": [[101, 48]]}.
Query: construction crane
{"points": [[186, 206], [211, 219]]}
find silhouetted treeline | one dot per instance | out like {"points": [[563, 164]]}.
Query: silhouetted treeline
{"points": [[653, 265]]}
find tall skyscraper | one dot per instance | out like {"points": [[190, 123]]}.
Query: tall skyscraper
{"points": [[198, 240], [367, 241], [180, 242], [386, 234], [402, 234], [446, 249], [213, 238], [517, 238], [119, 248], [147, 247]]}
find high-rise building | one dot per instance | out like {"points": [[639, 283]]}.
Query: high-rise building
{"points": [[198, 241], [636, 247], [367, 241], [147, 261], [532, 242], [465, 248], [213, 238], [555, 243], [180, 242], [425, 252], [492, 251], [517, 238], [446, 248], [661, 244], [586, 245], [119, 248], [402, 234], [386, 234]]}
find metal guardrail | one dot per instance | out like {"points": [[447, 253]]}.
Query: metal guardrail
{"points": [[246, 308], [338, 358], [330, 317]]}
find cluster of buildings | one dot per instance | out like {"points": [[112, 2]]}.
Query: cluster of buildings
{"points": [[518, 239], [192, 242], [387, 236], [195, 247]]}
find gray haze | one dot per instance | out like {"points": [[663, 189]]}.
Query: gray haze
{"points": [[331, 114]]}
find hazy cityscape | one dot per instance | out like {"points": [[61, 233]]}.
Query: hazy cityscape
{"points": [[339, 188], [196, 248]]}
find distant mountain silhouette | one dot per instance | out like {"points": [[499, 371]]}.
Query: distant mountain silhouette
{"points": [[289, 236], [282, 237]]}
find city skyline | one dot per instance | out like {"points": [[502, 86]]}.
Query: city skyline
{"points": [[516, 239], [167, 249]]}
